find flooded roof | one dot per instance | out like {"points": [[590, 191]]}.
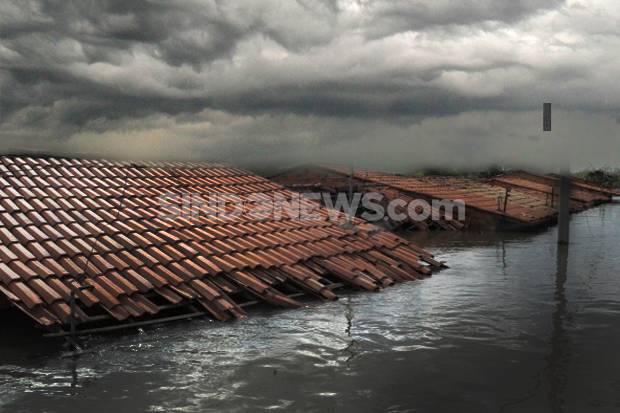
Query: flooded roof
{"points": [[478, 194], [591, 186], [336, 179], [521, 206], [588, 194], [70, 223], [530, 201]]}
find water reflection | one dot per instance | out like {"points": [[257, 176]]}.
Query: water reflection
{"points": [[504, 264], [74, 374], [559, 356], [348, 313]]}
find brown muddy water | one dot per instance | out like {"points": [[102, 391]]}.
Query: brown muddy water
{"points": [[513, 326]]}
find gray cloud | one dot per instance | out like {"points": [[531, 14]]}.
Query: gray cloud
{"points": [[393, 16], [284, 78]]}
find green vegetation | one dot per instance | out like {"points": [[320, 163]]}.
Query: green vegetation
{"points": [[607, 177], [489, 172]]}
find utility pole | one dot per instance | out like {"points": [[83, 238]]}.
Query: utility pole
{"points": [[564, 213], [564, 190]]}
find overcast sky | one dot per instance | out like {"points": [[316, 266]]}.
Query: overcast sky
{"points": [[391, 84]]}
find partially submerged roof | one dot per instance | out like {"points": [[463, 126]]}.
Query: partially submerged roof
{"points": [[591, 186], [522, 207], [586, 194], [530, 201], [338, 180], [69, 223]]}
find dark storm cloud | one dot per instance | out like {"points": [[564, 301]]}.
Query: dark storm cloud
{"points": [[344, 99], [48, 36], [394, 16], [211, 70], [106, 26], [45, 37]]}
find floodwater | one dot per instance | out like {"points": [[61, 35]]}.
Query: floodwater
{"points": [[513, 326]]}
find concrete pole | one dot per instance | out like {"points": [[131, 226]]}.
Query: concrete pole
{"points": [[564, 210], [564, 189]]}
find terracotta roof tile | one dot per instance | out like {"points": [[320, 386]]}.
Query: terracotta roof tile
{"points": [[6, 255], [141, 283], [175, 275], [46, 292], [6, 236], [22, 252], [7, 275], [25, 294]]}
